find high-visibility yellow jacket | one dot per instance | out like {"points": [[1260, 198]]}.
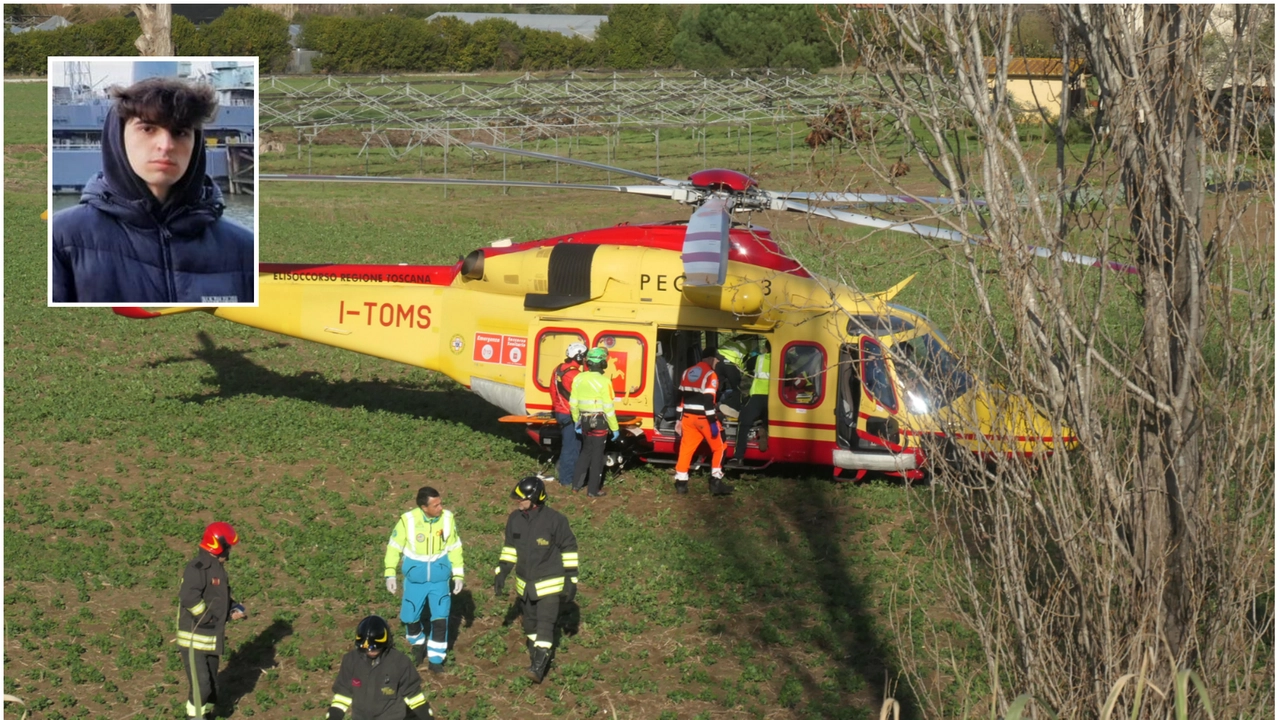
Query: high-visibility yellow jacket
{"points": [[424, 539], [592, 393], [760, 383]]}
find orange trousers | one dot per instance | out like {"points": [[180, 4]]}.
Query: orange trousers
{"points": [[693, 430]]}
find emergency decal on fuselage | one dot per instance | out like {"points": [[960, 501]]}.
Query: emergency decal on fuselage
{"points": [[456, 344], [385, 314], [499, 349]]}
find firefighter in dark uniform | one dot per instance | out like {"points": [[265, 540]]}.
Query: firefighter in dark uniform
{"points": [[205, 605], [541, 548], [377, 681]]}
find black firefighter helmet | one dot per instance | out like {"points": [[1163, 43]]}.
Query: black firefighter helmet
{"points": [[530, 488]]}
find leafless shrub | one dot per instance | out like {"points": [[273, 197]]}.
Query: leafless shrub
{"points": [[1151, 545]]}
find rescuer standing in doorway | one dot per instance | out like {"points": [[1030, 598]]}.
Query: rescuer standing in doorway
{"points": [[427, 538], [541, 548], [756, 408], [205, 605], [561, 388], [376, 681], [591, 405], [698, 389]]}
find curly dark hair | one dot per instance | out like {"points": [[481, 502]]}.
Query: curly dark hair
{"points": [[169, 103]]}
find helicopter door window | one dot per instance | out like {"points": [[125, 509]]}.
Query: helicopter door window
{"points": [[628, 361], [875, 376], [803, 378], [552, 344]]}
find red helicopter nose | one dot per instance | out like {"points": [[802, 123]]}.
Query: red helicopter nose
{"points": [[721, 179]]}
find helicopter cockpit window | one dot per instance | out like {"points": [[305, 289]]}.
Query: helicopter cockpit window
{"points": [[929, 375], [875, 376], [877, 325], [552, 345], [803, 377], [628, 361]]}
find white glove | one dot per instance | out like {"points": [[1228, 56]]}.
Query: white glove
{"points": [[391, 584], [457, 585]]}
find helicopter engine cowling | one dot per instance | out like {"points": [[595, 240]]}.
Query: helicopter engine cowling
{"points": [[738, 296]]}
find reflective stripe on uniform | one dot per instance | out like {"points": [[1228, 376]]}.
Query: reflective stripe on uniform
{"points": [[415, 701], [342, 702], [198, 609], [196, 641], [550, 586], [508, 554], [569, 560]]}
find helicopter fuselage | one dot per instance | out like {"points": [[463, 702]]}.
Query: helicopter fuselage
{"points": [[499, 322]]}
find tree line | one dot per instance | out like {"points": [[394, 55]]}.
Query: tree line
{"points": [[633, 37]]}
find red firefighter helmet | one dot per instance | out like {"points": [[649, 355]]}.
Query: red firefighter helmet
{"points": [[219, 537]]}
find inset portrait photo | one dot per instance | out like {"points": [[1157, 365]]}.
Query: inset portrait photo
{"points": [[152, 177]]}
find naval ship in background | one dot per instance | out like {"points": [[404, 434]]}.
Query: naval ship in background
{"points": [[79, 110]]}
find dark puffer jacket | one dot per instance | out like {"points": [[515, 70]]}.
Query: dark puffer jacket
{"points": [[121, 245]]}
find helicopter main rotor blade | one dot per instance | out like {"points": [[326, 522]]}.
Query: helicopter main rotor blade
{"points": [[706, 243], [652, 191], [572, 161], [930, 231], [868, 198]]}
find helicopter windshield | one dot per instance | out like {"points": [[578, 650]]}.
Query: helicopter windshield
{"points": [[930, 376]]}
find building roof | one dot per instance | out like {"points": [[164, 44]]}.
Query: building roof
{"points": [[1035, 67], [583, 26]]}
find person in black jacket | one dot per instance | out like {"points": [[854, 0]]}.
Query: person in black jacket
{"points": [[205, 605], [377, 681], [149, 227], [541, 548]]}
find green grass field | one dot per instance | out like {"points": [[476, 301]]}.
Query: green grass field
{"points": [[124, 438]]}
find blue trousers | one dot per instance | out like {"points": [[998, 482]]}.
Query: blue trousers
{"points": [[570, 446], [426, 593]]}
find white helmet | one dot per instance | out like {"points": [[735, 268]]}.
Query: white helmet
{"points": [[575, 351]]}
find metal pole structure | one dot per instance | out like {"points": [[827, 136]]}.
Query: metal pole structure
{"points": [[748, 148], [557, 139], [657, 151], [791, 137], [448, 136]]}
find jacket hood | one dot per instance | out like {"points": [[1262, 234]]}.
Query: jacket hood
{"points": [[193, 202]]}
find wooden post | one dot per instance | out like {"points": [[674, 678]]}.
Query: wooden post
{"points": [[156, 22]]}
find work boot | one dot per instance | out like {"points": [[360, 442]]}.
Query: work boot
{"points": [[762, 440], [720, 487], [539, 662], [436, 668], [682, 487], [419, 654]]}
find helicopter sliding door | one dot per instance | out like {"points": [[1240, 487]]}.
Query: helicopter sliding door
{"points": [[867, 430]]}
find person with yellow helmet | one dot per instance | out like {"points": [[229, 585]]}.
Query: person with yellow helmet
{"points": [[591, 406], [205, 606]]}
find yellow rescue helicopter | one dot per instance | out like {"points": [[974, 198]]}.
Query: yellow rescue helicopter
{"points": [[857, 383]]}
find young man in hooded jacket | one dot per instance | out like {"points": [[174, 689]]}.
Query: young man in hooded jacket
{"points": [[149, 227]]}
